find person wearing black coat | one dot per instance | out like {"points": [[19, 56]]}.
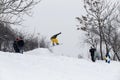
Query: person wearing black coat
{"points": [[92, 53], [20, 44], [15, 46]]}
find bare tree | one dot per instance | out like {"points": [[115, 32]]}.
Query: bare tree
{"points": [[94, 21], [11, 11], [92, 39], [112, 37], [6, 36]]}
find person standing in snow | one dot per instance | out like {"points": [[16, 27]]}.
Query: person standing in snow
{"points": [[92, 53], [54, 39], [20, 44], [15, 46], [107, 58]]}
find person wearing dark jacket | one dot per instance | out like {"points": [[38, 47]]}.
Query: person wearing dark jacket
{"points": [[107, 58], [54, 39], [15, 46], [92, 53], [20, 44]]}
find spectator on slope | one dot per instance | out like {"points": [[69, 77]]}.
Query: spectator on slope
{"points": [[92, 53], [54, 39], [20, 44], [107, 58], [15, 46]]}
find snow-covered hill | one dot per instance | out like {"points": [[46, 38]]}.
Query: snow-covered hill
{"points": [[40, 64]]}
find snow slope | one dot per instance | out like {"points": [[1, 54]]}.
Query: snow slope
{"points": [[40, 64]]}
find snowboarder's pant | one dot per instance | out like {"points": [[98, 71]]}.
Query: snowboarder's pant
{"points": [[54, 41]]}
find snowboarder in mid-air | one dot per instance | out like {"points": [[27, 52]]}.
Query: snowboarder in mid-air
{"points": [[54, 39]]}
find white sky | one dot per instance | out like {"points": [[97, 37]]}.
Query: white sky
{"points": [[53, 16]]}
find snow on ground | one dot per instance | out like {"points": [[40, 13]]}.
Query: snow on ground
{"points": [[40, 64]]}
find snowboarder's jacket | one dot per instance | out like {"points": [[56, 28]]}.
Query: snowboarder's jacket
{"points": [[55, 36]]}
